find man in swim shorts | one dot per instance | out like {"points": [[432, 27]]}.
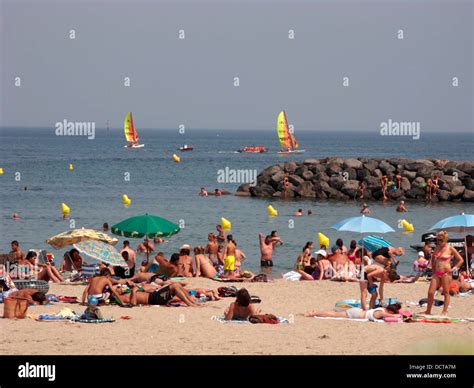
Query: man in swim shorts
{"points": [[266, 251], [229, 261], [386, 255], [100, 286]]}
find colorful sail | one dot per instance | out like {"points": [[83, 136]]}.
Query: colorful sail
{"points": [[131, 133], [293, 141], [283, 132]]}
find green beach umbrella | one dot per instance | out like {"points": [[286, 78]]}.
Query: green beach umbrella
{"points": [[145, 226]]}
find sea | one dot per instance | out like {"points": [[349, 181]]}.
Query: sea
{"points": [[37, 179]]}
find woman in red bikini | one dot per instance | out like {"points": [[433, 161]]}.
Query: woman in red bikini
{"points": [[442, 270]]}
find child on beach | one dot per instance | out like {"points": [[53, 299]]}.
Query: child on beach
{"points": [[92, 311], [420, 264]]}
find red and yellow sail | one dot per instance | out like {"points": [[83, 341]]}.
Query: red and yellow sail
{"points": [[287, 139], [131, 133]]}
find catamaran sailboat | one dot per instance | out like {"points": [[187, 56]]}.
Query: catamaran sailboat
{"points": [[131, 134], [288, 144]]}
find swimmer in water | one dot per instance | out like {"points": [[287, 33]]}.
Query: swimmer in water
{"points": [[16, 216]]}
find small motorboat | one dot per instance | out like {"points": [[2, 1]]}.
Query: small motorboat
{"points": [[186, 148], [253, 149], [455, 242]]}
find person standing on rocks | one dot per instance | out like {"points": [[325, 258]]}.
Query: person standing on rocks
{"points": [[384, 182], [286, 186]]}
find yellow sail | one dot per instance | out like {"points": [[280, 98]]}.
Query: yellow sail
{"points": [[130, 132], [283, 132]]}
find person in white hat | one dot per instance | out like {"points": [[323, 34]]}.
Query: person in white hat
{"points": [[325, 268], [420, 264]]}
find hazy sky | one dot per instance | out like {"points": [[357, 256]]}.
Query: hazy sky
{"points": [[190, 81]]}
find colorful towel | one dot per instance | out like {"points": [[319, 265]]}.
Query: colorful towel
{"points": [[104, 320], [221, 319]]}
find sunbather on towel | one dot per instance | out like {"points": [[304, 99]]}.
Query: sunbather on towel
{"points": [[100, 286], [358, 313], [241, 309], [160, 296]]}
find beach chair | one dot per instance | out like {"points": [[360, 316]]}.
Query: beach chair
{"points": [[89, 270]]}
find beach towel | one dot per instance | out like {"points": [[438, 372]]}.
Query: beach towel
{"points": [[228, 280], [228, 291], [103, 320], [221, 319], [50, 318], [292, 276], [346, 304], [352, 319]]}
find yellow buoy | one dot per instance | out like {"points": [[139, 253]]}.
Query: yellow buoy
{"points": [[71, 167], [226, 224], [272, 212], [1, 171], [126, 200], [323, 240], [407, 227], [65, 210], [176, 158]]}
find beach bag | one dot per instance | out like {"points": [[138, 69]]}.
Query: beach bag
{"points": [[15, 307], [260, 278], [227, 291], [264, 318]]}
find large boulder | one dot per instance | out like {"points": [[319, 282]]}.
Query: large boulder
{"points": [[469, 183], [336, 182], [372, 183], [443, 195], [336, 194], [362, 174], [333, 169], [377, 173], [307, 175], [409, 174], [295, 180], [416, 164], [405, 184], [277, 179], [415, 193], [468, 195], [320, 188], [396, 194], [467, 167], [371, 165], [290, 167], [350, 188], [301, 169], [424, 172], [457, 192], [336, 160], [243, 190], [352, 163], [320, 176], [386, 167], [312, 161], [418, 182], [264, 191], [349, 173], [305, 190]]}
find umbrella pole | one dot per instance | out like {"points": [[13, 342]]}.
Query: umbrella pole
{"points": [[468, 264]]}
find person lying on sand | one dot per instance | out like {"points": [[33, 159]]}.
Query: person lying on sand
{"points": [[31, 294], [160, 296], [241, 309], [358, 313], [100, 286]]}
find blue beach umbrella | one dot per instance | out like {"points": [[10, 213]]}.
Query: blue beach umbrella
{"points": [[461, 223], [362, 224], [372, 243]]}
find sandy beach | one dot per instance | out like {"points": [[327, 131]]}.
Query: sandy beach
{"points": [[190, 331]]}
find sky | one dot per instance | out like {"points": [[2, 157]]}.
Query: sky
{"points": [[191, 81]]}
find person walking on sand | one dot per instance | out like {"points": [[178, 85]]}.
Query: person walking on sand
{"points": [[266, 250], [442, 270]]}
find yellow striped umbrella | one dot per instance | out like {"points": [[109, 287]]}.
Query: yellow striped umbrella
{"points": [[74, 236]]}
